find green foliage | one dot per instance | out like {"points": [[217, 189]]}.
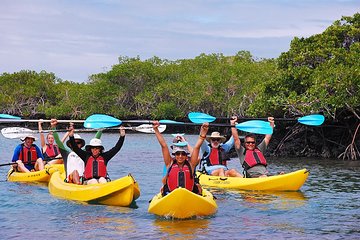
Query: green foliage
{"points": [[319, 73], [26, 93]]}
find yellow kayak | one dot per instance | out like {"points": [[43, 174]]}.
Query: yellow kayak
{"points": [[181, 203], [284, 182], [120, 192], [37, 176]]}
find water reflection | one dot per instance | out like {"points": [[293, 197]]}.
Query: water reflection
{"points": [[274, 200], [326, 208], [106, 226], [180, 229], [266, 200]]}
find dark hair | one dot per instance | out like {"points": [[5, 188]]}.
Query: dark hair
{"points": [[250, 135]]}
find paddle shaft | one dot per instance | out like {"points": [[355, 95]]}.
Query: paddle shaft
{"points": [[34, 120], [196, 124], [14, 163], [249, 118], [311, 120], [84, 129]]}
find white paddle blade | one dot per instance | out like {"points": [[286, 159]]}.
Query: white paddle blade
{"points": [[16, 132], [148, 128]]}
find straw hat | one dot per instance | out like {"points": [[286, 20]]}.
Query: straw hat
{"points": [[216, 135]]}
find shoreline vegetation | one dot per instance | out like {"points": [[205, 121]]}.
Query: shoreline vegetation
{"points": [[319, 74]]}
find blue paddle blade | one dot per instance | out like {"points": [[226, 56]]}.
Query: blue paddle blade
{"points": [[101, 121], [255, 126], [180, 144], [170, 122], [3, 115], [198, 117], [312, 120], [177, 134]]}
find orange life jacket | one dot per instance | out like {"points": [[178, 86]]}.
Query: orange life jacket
{"points": [[180, 176], [95, 168], [253, 158], [28, 155], [217, 156], [51, 151]]}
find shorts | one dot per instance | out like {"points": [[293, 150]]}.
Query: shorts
{"points": [[210, 169]]}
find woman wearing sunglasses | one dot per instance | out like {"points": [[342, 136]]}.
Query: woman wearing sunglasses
{"points": [[251, 155], [180, 165]]}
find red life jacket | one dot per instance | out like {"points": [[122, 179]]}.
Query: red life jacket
{"points": [[217, 156], [253, 158], [95, 168], [51, 151], [28, 155], [180, 177]]}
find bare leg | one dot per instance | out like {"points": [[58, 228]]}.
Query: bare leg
{"points": [[56, 161], [102, 180], [92, 181], [21, 167], [233, 173], [39, 165], [74, 177], [218, 172]]}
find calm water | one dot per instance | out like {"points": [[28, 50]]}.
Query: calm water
{"points": [[327, 207]]}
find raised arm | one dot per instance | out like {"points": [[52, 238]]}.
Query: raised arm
{"points": [[56, 135], [162, 142], [268, 136], [235, 134], [113, 151], [66, 135], [202, 136], [42, 137]]}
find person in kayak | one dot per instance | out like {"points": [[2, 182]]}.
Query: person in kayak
{"points": [[178, 140], [50, 149], [95, 158], [180, 166], [28, 156], [215, 155], [251, 155], [74, 165]]}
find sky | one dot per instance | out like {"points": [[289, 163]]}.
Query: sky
{"points": [[77, 38]]}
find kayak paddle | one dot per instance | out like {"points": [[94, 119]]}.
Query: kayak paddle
{"points": [[311, 120], [14, 163], [105, 121], [19, 120], [253, 126], [7, 116], [19, 132]]}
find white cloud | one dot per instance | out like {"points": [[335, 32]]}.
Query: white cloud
{"points": [[77, 38]]}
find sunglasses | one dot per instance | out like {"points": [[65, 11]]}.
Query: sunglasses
{"points": [[216, 139], [250, 142], [96, 147], [180, 153], [78, 142]]}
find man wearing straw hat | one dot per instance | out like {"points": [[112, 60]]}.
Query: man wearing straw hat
{"points": [[215, 155], [28, 156]]}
